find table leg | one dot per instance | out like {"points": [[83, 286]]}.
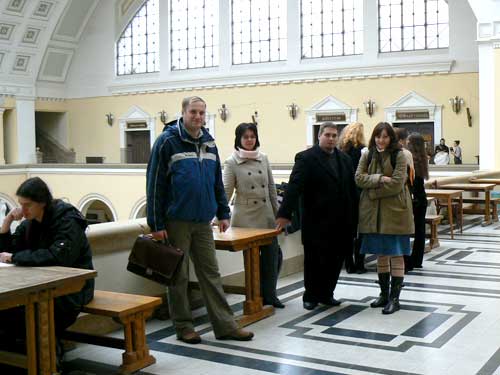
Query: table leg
{"points": [[46, 334], [252, 307], [450, 217], [487, 216], [461, 214], [31, 338]]}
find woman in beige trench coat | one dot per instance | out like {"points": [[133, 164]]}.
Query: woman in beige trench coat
{"points": [[247, 173]]}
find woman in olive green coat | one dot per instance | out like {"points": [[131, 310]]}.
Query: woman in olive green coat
{"points": [[385, 212], [247, 173]]}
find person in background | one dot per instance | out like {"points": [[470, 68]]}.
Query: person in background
{"points": [[456, 151], [247, 172], [416, 145], [352, 141], [184, 193], [385, 213], [51, 234], [442, 153], [322, 176]]}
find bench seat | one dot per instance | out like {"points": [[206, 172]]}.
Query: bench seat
{"points": [[131, 311]]}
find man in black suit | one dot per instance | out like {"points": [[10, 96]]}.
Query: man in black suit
{"points": [[323, 177]]}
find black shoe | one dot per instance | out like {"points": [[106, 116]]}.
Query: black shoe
{"points": [[330, 302], [359, 271], [277, 303], [309, 305]]}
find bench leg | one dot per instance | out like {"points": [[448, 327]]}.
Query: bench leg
{"points": [[136, 355], [434, 241], [494, 211]]}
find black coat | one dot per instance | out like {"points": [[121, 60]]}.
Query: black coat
{"points": [[328, 194], [59, 240]]}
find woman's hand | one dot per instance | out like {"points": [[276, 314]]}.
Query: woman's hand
{"points": [[281, 223], [385, 180], [6, 257]]}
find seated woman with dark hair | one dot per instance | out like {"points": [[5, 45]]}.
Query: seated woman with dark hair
{"points": [[52, 234]]}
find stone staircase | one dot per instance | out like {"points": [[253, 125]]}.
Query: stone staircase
{"points": [[51, 151]]}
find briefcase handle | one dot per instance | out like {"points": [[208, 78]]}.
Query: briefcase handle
{"points": [[165, 241]]}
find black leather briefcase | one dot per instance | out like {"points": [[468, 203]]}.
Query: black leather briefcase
{"points": [[154, 260]]}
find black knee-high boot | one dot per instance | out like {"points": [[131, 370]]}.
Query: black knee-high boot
{"points": [[393, 304], [383, 299]]}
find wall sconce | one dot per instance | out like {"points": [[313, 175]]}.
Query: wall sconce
{"points": [[369, 107], [255, 118], [223, 112], [456, 104], [110, 118], [163, 116], [293, 110]]}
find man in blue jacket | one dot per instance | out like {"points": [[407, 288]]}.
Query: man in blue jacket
{"points": [[184, 193]]}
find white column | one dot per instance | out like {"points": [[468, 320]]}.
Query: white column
{"points": [[2, 151], [26, 139], [486, 106]]}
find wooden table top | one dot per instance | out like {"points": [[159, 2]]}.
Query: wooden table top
{"points": [[443, 193], [22, 280], [236, 236], [495, 181], [469, 187]]}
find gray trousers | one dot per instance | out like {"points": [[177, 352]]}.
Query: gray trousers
{"points": [[197, 242]]}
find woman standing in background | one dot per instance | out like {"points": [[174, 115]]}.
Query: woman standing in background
{"points": [[352, 141], [247, 171]]}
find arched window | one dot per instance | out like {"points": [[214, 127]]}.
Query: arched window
{"points": [[137, 50], [331, 27], [407, 25], [194, 33], [259, 31]]}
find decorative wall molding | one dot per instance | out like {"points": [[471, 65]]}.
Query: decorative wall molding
{"points": [[138, 206], [86, 201], [415, 102], [329, 105], [151, 85], [133, 115]]}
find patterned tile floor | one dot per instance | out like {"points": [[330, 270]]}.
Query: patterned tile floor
{"points": [[449, 324]]}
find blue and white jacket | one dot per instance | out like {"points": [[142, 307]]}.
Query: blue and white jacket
{"points": [[184, 179]]}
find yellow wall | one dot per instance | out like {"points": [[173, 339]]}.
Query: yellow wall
{"points": [[497, 107], [281, 137], [50, 106]]}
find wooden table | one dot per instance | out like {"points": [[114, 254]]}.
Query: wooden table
{"points": [[448, 195], [35, 288], [476, 187], [495, 181], [249, 241]]}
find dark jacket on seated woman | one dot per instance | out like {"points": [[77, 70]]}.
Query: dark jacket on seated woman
{"points": [[58, 240]]}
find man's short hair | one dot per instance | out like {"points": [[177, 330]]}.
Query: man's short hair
{"points": [[457, 142], [191, 99], [401, 133], [325, 125]]}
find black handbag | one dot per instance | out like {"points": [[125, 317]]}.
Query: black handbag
{"points": [[155, 260]]}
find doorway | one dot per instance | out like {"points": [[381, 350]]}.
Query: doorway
{"points": [[426, 129], [138, 146]]}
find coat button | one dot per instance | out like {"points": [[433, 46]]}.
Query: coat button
{"points": [[260, 172], [253, 187], [263, 186], [249, 173], [255, 202], [263, 200]]}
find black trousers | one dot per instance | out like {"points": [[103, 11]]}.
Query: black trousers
{"points": [[417, 254], [13, 325], [322, 265], [271, 259]]}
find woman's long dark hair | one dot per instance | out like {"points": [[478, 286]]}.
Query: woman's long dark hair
{"points": [[241, 129], [381, 126], [416, 145], [36, 190]]}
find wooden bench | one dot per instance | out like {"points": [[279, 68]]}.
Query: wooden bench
{"points": [[131, 311], [433, 221], [480, 200]]}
